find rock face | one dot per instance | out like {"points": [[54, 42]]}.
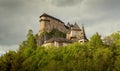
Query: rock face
{"points": [[48, 23]]}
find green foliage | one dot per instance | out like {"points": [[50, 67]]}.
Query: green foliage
{"points": [[112, 39], [53, 33], [48, 35], [30, 42], [57, 33], [90, 56], [8, 62], [95, 41], [116, 38]]}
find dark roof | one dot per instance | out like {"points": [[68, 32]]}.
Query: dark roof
{"points": [[83, 37], [66, 27], [46, 15], [59, 40], [76, 27]]}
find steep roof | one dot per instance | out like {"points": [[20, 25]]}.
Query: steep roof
{"points": [[46, 15], [83, 31], [75, 27], [68, 24], [59, 40]]}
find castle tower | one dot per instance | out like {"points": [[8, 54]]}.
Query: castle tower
{"points": [[44, 23], [74, 33], [83, 35], [48, 23]]}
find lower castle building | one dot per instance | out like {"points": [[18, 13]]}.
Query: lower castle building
{"points": [[48, 23]]}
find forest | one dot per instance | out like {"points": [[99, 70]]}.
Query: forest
{"points": [[96, 55]]}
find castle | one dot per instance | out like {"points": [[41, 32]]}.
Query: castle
{"points": [[48, 23]]}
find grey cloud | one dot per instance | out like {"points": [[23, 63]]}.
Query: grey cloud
{"points": [[96, 11], [11, 5], [109, 6], [17, 16], [11, 33], [5, 48], [13, 29], [62, 3]]}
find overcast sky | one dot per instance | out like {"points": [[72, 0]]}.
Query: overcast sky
{"points": [[18, 16]]}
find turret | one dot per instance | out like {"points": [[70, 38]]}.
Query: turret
{"points": [[83, 30], [68, 25], [83, 35]]}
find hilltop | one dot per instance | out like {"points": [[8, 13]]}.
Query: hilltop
{"points": [[94, 55]]}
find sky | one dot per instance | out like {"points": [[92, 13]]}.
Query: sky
{"points": [[18, 16]]}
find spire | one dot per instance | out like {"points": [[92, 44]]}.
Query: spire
{"points": [[75, 23], [83, 27], [68, 24], [83, 31], [75, 26]]}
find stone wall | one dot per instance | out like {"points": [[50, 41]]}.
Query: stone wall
{"points": [[48, 24], [74, 33]]}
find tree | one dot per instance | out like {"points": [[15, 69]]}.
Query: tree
{"points": [[108, 40], [31, 41], [102, 58], [95, 41], [116, 38], [7, 61], [74, 57]]}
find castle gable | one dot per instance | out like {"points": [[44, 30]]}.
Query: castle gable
{"points": [[46, 15], [75, 27]]}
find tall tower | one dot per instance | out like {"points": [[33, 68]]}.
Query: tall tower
{"points": [[44, 23], [48, 23]]}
